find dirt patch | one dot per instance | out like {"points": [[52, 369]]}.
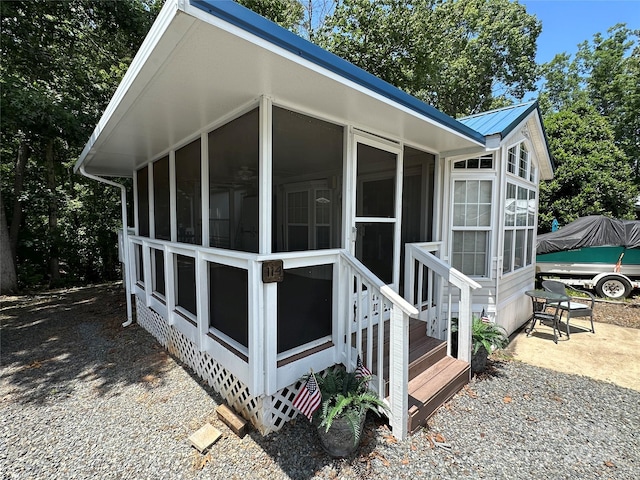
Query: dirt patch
{"points": [[623, 314]]}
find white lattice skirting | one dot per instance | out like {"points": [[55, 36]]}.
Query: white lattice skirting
{"points": [[267, 413]]}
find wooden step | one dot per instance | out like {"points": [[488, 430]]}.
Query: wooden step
{"points": [[433, 387], [424, 353]]}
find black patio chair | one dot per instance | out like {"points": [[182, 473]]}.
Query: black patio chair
{"points": [[581, 307]]}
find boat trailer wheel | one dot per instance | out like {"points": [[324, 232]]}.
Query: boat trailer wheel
{"points": [[613, 287]]}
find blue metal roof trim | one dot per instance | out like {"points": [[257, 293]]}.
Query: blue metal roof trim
{"points": [[250, 21], [502, 120]]}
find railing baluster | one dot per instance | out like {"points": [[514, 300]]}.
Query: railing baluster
{"points": [[420, 288], [381, 389], [359, 314], [368, 361]]}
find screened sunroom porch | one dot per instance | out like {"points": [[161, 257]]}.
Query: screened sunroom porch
{"points": [[268, 267]]}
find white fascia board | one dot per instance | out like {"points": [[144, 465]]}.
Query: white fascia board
{"points": [[260, 42], [540, 144], [107, 122], [463, 153]]}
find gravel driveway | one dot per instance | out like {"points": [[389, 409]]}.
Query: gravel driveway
{"points": [[81, 397]]}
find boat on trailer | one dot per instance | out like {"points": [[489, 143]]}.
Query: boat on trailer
{"points": [[595, 252]]}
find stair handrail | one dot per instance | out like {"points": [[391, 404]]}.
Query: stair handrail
{"points": [[456, 278], [399, 312], [385, 290]]}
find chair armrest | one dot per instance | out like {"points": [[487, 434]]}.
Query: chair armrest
{"points": [[591, 296]]}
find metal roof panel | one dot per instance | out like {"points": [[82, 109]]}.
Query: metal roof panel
{"points": [[500, 121]]}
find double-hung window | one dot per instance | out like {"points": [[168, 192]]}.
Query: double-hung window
{"points": [[520, 211], [471, 217]]}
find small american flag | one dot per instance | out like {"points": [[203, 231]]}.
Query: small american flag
{"points": [[308, 398], [361, 371]]}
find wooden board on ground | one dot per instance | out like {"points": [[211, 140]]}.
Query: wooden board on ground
{"points": [[232, 420], [204, 437]]}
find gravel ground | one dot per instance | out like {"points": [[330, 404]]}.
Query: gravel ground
{"points": [[81, 397]]}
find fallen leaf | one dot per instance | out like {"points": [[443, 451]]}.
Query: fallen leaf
{"points": [[532, 419], [390, 439], [380, 457], [470, 392], [557, 399], [610, 464], [201, 461], [440, 438], [482, 434], [433, 445], [507, 399], [413, 447], [405, 461]]}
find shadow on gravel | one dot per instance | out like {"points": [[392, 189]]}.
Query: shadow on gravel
{"points": [[494, 369], [304, 455], [52, 340]]}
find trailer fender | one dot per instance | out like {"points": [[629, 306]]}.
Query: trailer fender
{"points": [[612, 285]]}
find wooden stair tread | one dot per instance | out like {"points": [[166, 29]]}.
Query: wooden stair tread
{"points": [[430, 382], [433, 387], [433, 376]]}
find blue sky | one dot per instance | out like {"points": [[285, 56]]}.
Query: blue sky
{"points": [[566, 23]]}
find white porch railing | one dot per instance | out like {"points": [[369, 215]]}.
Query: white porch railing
{"points": [[369, 303], [433, 287], [362, 306]]}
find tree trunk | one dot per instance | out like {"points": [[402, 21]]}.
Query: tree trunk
{"points": [[18, 186], [54, 261], [8, 279]]}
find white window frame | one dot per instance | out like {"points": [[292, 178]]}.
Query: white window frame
{"points": [[470, 175], [310, 189], [521, 179]]}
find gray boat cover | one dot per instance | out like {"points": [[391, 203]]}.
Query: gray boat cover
{"points": [[592, 231]]}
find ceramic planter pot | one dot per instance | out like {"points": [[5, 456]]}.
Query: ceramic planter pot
{"points": [[479, 360], [339, 441]]}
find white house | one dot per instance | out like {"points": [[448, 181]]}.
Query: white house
{"points": [[288, 204]]}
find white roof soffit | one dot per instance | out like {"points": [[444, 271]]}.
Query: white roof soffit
{"points": [[194, 68]]}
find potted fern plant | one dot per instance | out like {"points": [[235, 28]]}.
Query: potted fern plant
{"points": [[484, 337], [346, 399]]}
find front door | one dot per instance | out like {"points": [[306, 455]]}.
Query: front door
{"points": [[378, 207]]}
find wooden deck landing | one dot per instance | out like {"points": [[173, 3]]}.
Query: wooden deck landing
{"points": [[434, 377]]}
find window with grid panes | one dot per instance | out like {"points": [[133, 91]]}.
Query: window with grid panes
{"points": [[519, 223], [471, 226]]}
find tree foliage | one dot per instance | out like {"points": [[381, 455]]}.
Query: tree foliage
{"points": [[455, 55], [593, 176], [61, 62], [597, 94]]}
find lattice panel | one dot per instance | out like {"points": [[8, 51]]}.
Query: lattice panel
{"points": [[278, 409], [152, 322], [268, 414]]}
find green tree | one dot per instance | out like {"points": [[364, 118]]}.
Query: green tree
{"points": [[286, 13], [60, 63], [593, 175], [56, 76], [452, 54], [604, 73]]}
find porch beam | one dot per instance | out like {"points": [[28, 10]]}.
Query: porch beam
{"points": [[265, 176], [204, 186]]}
